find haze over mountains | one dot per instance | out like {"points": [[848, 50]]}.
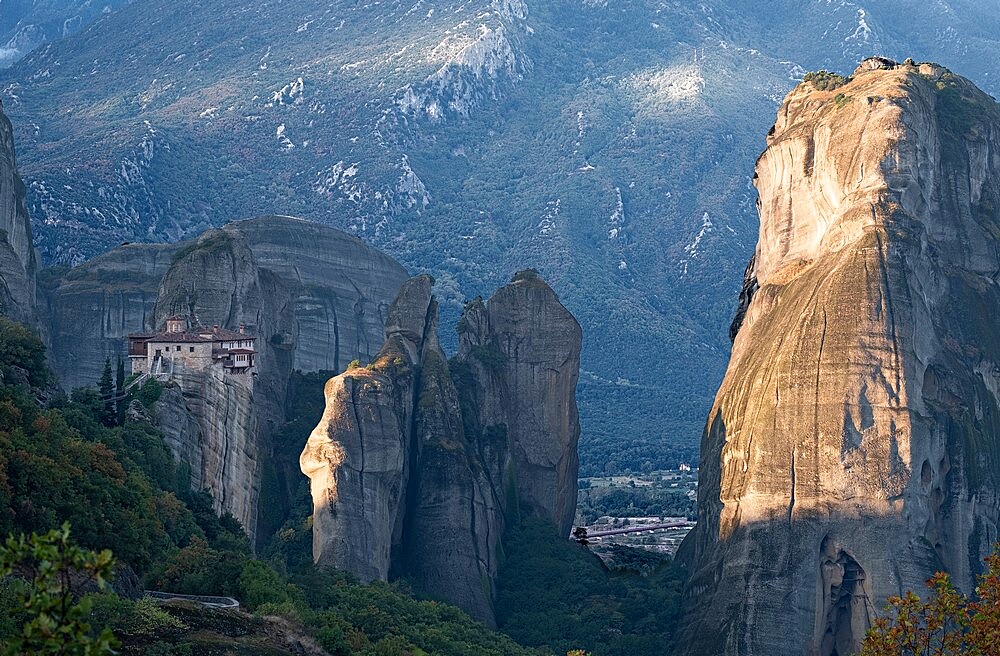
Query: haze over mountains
{"points": [[608, 144]]}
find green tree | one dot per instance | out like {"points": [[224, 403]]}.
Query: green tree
{"points": [[20, 347], [51, 572], [120, 392], [948, 623], [260, 584], [120, 375], [107, 390]]}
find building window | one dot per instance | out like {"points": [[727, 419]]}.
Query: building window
{"points": [[191, 349], [177, 348]]}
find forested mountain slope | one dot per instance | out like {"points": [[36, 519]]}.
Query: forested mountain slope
{"points": [[608, 144]]}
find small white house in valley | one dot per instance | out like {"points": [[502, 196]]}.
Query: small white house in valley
{"points": [[198, 348]]}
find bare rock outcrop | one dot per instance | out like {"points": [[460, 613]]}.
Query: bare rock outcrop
{"points": [[527, 349], [853, 448], [18, 262], [463, 446], [91, 309], [340, 290], [216, 281]]}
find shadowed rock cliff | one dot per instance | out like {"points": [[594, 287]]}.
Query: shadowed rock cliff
{"points": [[854, 446], [17, 254], [340, 289], [216, 281], [311, 295], [419, 464], [91, 308]]}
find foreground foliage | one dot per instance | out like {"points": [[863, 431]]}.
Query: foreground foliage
{"points": [[47, 576], [948, 623]]}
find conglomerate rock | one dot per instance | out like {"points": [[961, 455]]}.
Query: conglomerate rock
{"points": [[854, 445]]}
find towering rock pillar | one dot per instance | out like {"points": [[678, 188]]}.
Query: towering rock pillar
{"points": [[17, 253], [854, 445], [418, 464], [524, 350], [358, 457], [216, 422]]}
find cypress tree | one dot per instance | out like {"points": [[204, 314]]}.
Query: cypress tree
{"points": [[120, 375], [120, 392], [107, 389]]}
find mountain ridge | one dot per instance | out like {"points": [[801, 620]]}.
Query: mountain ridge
{"points": [[599, 143]]}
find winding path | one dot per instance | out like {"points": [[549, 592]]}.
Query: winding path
{"points": [[211, 602]]}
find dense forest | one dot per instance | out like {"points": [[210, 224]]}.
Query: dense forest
{"points": [[99, 464]]}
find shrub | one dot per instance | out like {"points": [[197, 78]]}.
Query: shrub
{"points": [[149, 392], [947, 624], [825, 80], [20, 347], [133, 619], [259, 585]]}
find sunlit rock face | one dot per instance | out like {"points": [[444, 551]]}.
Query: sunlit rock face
{"points": [[357, 458], [854, 446], [419, 463]]}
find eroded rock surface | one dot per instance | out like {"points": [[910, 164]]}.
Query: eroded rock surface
{"points": [[93, 307], [538, 343], [461, 448], [853, 447], [357, 458], [341, 288], [17, 253]]}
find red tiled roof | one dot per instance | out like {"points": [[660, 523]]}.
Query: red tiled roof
{"points": [[200, 334]]}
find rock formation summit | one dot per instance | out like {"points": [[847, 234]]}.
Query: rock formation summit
{"points": [[419, 464], [854, 445]]}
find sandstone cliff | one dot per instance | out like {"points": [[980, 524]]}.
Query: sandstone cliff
{"points": [[419, 464], [524, 348], [91, 308], [17, 253], [853, 448], [216, 280]]}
